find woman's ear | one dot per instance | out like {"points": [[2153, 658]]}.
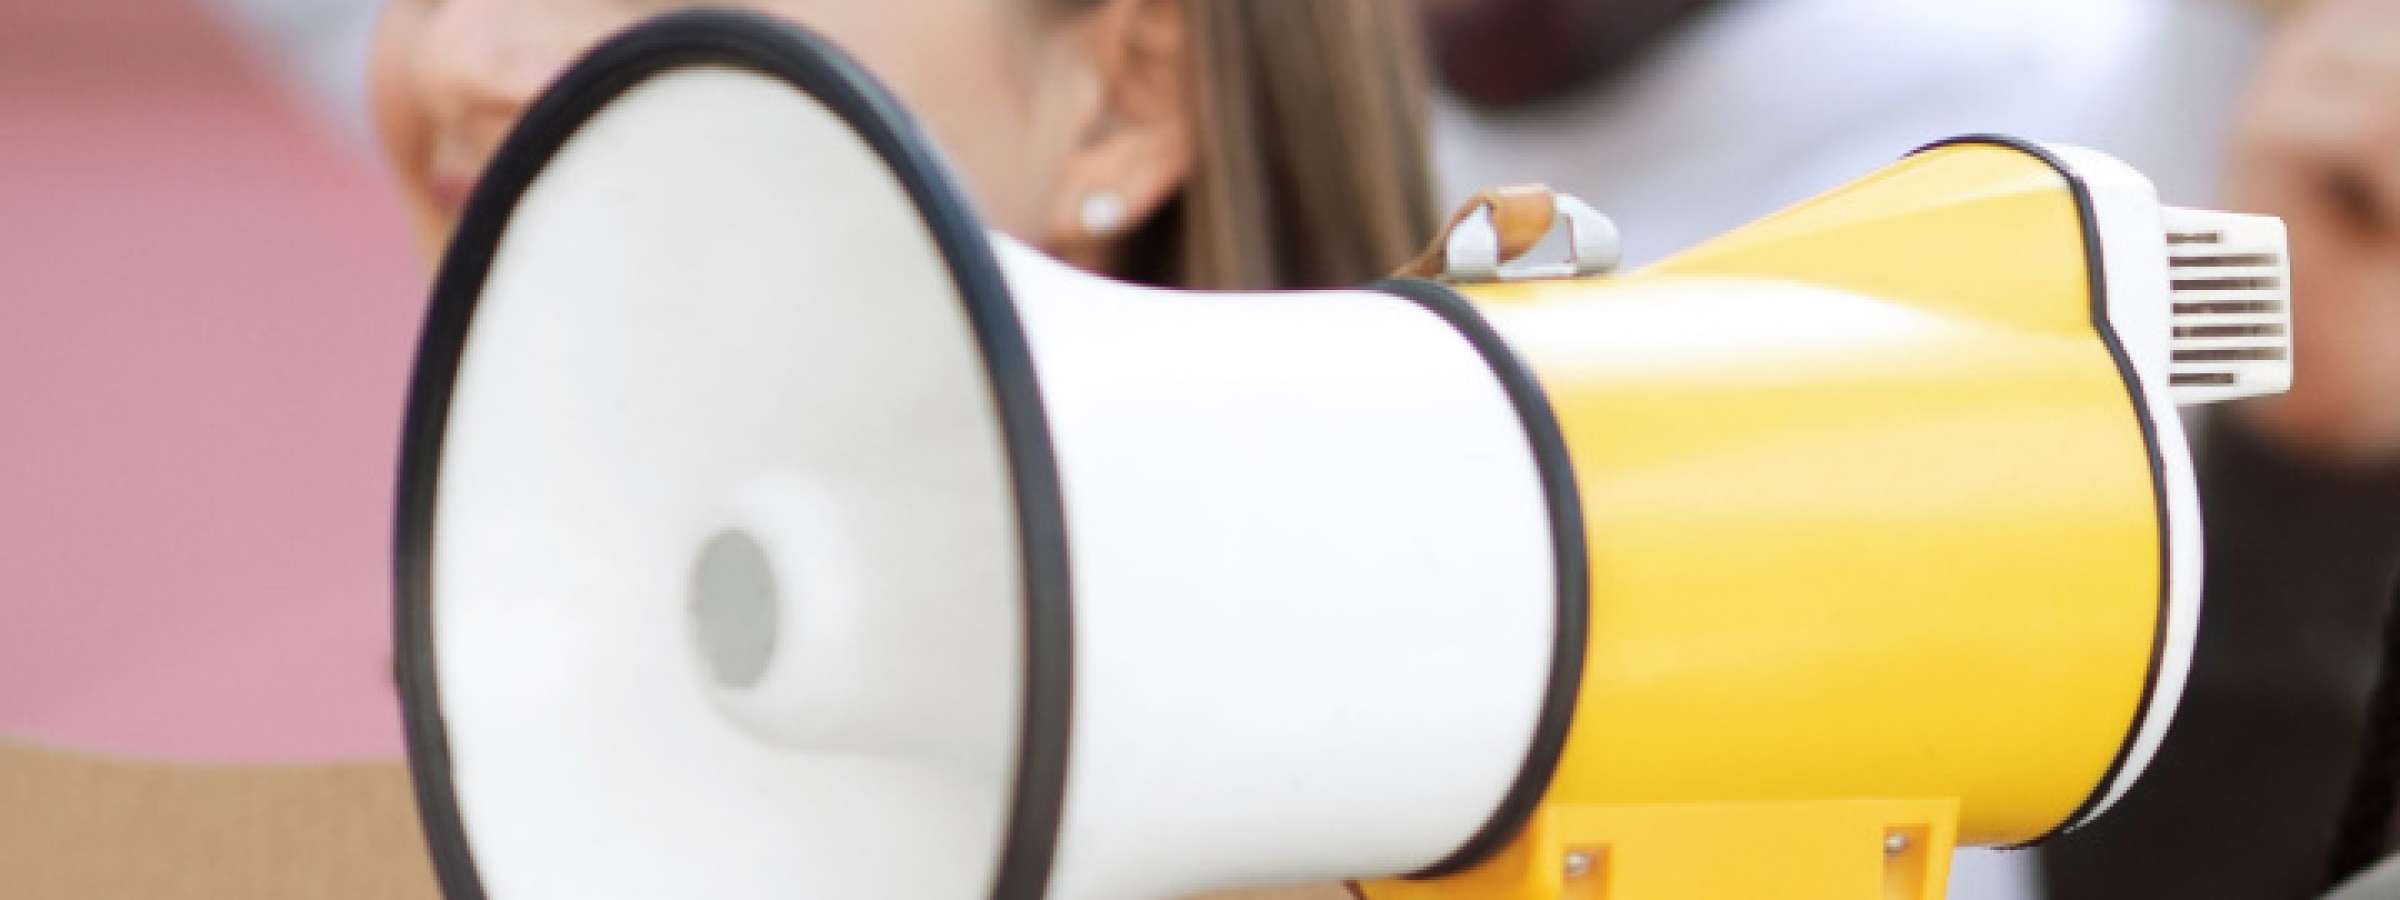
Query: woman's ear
{"points": [[1133, 144]]}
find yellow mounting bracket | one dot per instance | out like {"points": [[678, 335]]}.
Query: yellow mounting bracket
{"points": [[1817, 850]]}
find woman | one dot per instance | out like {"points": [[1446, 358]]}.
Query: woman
{"points": [[1221, 144]]}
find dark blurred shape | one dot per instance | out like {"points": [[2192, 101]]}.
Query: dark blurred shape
{"points": [[2365, 827], [2353, 194], [2242, 801], [1505, 54]]}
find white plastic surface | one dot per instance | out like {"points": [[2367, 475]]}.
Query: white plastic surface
{"points": [[679, 335], [1314, 583], [2133, 252]]}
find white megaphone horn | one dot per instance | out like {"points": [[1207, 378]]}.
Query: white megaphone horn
{"points": [[771, 528]]}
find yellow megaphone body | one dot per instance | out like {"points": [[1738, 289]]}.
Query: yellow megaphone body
{"points": [[769, 528], [1865, 471]]}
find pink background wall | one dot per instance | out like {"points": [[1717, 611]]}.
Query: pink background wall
{"points": [[206, 308]]}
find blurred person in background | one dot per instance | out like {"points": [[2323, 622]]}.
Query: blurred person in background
{"points": [[1686, 117], [2302, 497]]}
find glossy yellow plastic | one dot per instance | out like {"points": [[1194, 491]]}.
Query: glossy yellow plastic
{"points": [[1874, 545]]}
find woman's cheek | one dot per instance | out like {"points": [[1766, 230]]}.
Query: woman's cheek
{"points": [[399, 113], [1009, 187], [971, 83]]}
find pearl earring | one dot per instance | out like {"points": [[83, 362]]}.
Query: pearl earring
{"points": [[1102, 213]]}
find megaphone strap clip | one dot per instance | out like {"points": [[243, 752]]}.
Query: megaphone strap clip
{"points": [[1497, 226]]}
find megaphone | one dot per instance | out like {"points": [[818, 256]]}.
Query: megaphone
{"points": [[769, 527]]}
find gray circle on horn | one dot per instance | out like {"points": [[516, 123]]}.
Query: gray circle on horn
{"points": [[734, 609]]}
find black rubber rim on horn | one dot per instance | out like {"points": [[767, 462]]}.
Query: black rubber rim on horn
{"points": [[808, 63], [2096, 273], [1572, 577]]}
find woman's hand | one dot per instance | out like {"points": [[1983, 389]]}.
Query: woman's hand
{"points": [[2318, 143]]}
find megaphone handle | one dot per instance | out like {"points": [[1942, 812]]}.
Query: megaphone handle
{"points": [[1521, 214], [1502, 224]]}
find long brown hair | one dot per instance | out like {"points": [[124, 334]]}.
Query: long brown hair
{"points": [[1312, 165]]}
